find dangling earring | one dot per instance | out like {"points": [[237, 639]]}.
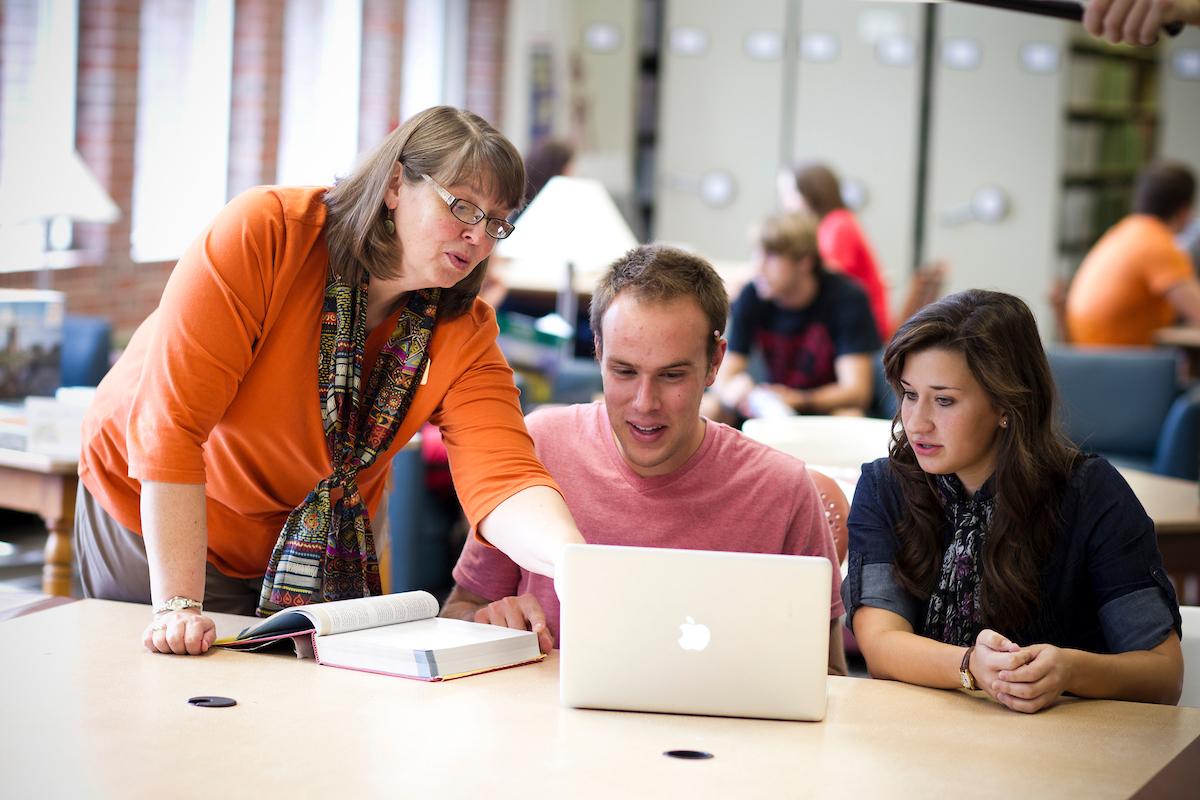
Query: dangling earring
{"points": [[389, 225]]}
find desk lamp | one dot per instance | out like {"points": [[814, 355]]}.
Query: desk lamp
{"points": [[562, 243], [53, 190]]}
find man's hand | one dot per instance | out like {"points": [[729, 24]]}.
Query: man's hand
{"points": [[522, 613]]}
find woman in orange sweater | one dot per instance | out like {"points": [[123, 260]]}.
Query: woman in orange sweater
{"points": [[236, 452]]}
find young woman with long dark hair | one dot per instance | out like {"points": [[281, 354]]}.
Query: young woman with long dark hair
{"points": [[987, 552]]}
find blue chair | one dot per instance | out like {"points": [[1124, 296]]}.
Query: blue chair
{"points": [[86, 344], [1127, 405], [416, 528]]}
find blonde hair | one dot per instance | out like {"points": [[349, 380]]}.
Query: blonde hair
{"points": [[449, 145], [792, 235]]}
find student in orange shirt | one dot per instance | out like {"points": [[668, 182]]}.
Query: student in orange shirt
{"points": [[1136, 278], [235, 454]]}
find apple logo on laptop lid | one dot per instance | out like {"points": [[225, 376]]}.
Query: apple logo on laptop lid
{"points": [[693, 635]]}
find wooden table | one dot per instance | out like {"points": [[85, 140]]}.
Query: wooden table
{"points": [[94, 715], [44, 485], [1187, 339], [1174, 505]]}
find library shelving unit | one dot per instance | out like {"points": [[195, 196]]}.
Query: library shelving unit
{"points": [[1111, 130]]}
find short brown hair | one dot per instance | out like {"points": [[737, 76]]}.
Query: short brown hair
{"points": [[1164, 189], [451, 146], [819, 187], [658, 273], [792, 235]]}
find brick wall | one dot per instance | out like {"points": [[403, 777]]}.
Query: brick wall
{"points": [[486, 26], [382, 62], [256, 93], [107, 282]]}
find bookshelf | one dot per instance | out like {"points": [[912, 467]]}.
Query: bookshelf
{"points": [[1111, 129]]}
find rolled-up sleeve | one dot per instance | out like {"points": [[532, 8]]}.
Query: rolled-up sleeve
{"points": [[1137, 604], [870, 580]]}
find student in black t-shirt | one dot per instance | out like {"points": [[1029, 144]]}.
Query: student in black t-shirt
{"points": [[812, 327]]}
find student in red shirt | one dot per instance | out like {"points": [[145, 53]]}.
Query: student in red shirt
{"points": [[814, 188]]}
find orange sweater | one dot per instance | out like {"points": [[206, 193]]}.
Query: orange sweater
{"points": [[219, 386], [1117, 296]]}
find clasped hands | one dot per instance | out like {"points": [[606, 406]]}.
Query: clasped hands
{"points": [[1025, 679]]}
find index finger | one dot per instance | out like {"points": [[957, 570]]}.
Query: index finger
{"points": [[533, 611], [994, 641]]}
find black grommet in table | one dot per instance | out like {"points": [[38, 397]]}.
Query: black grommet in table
{"points": [[687, 755], [212, 701]]}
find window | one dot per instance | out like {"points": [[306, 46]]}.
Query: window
{"points": [[181, 149], [318, 127], [435, 55], [38, 113]]}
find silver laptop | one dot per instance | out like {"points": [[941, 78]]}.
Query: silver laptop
{"points": [[694, 631]]}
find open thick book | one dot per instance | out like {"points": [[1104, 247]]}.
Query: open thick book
{"points": [[393, 634]]}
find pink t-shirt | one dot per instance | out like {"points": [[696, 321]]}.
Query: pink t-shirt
{"points": [[843, 247], [733, 494]]}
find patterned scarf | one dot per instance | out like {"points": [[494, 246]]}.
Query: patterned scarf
{"points": [[953, 615], [326, 550]]}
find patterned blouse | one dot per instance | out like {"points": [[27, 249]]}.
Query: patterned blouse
{"points": [[1103, 588]]}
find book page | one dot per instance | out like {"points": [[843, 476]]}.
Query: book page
{"points": [[346, 615], [341, 616]]}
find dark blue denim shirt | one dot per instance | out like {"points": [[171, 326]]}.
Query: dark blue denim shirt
{"points": [[1103, 588]]}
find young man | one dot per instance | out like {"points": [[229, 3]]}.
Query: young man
{"points": [[1136, 279], [643, 467], [813, 328]]}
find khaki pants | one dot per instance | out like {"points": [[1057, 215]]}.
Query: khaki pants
{"points": [[113, 565]]}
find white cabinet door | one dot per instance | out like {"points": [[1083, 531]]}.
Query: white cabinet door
{"points": [[720, 122], [1179, 116], [857, 105], [996, 131]]}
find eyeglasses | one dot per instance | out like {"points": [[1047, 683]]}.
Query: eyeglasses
{"points": [[468, 212]]}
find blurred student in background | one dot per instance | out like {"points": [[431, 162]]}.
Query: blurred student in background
{"points": [[814, 188], [1136, 278], [812, 327]]}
